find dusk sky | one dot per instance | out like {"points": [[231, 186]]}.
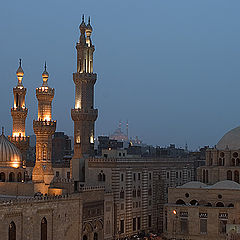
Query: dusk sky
{"points": [[169, 67]]}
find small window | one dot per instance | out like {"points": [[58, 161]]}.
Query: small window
{"points": [[122, 177], [123, 154], [138, 223], [119, 154], [176, 174], [122, 226], [167, 175], [203, 226], [139, 176], [57, 173], [150, 176], [134, 177], [149, 221], [134, 224]]}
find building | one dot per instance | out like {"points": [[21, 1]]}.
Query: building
{"points": [[61, 147], [208, 208]]}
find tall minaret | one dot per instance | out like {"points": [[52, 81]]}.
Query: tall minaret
{"points": [[19, 114], [44, 128], [84, 115]]}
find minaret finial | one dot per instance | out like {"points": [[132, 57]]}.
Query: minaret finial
{"points": [[89, 20], [20, 62], [83, 18], [45, 66], [2, 130]]}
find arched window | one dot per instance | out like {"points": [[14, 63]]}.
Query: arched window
{"points": [[134, 193], [2, 177], [150, 191], [95, 236], [122, 193], [229, 175], [206, 176], [194, 202], [85, 237], [237, 161], [44, 229], [139, 192], [233, 162], [219, 204], [236, 176], [231, 205], [103, 177], [203, 174], [180, 202], [12, 231], [19, 177], [11, 177], [100, 177]]}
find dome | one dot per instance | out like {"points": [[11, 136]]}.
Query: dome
{"points": [[226, 184], [230, 140], [193, 184], [10, 155]]}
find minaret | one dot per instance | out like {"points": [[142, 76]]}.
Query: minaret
{"points": [[44, 128], [84, 115], [19, 114]]}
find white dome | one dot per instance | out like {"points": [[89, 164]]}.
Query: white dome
{"points": [[226, 184], [10, 155], [230, 140], [193, 184]]}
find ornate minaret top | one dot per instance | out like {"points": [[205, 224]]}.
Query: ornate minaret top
{"points": [[45, 96], [20, 73], [83, 114], [19, 115], [44, 128], [19, 110]]}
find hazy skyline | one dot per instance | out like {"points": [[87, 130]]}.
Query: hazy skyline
{"points": [[171, 68]]}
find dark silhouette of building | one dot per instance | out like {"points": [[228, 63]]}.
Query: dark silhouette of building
{"points": [[61, 147]]}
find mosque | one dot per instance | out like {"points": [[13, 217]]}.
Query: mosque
{"points": [[105, 198], [209, 207]]}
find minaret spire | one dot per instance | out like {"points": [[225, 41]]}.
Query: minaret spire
{"points": [[44, 128], [19, 114], [84, 115]]}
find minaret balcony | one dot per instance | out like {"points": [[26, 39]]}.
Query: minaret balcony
{"points": [[44, 127], [84, 114], [19, 112], [19, 139], [84, 77]]}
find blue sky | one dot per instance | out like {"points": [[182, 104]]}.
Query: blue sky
{"points": [[171, 67]]}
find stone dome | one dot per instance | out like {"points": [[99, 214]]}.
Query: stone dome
{"points": [[230, 140], [10, 155], [226, 184], [193, 184]]}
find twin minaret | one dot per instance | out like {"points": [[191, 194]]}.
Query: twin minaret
{"points": [[83, 114], [44, 127], [19, 114]]}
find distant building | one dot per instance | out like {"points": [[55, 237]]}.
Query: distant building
{"points": [[104, 142], [61, 147], [208, 208]]}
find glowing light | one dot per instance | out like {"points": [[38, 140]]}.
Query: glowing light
{"points": [[174, 212], [18, 134], [47, 118], [15, 165], [91, 139], [78, 139]]}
